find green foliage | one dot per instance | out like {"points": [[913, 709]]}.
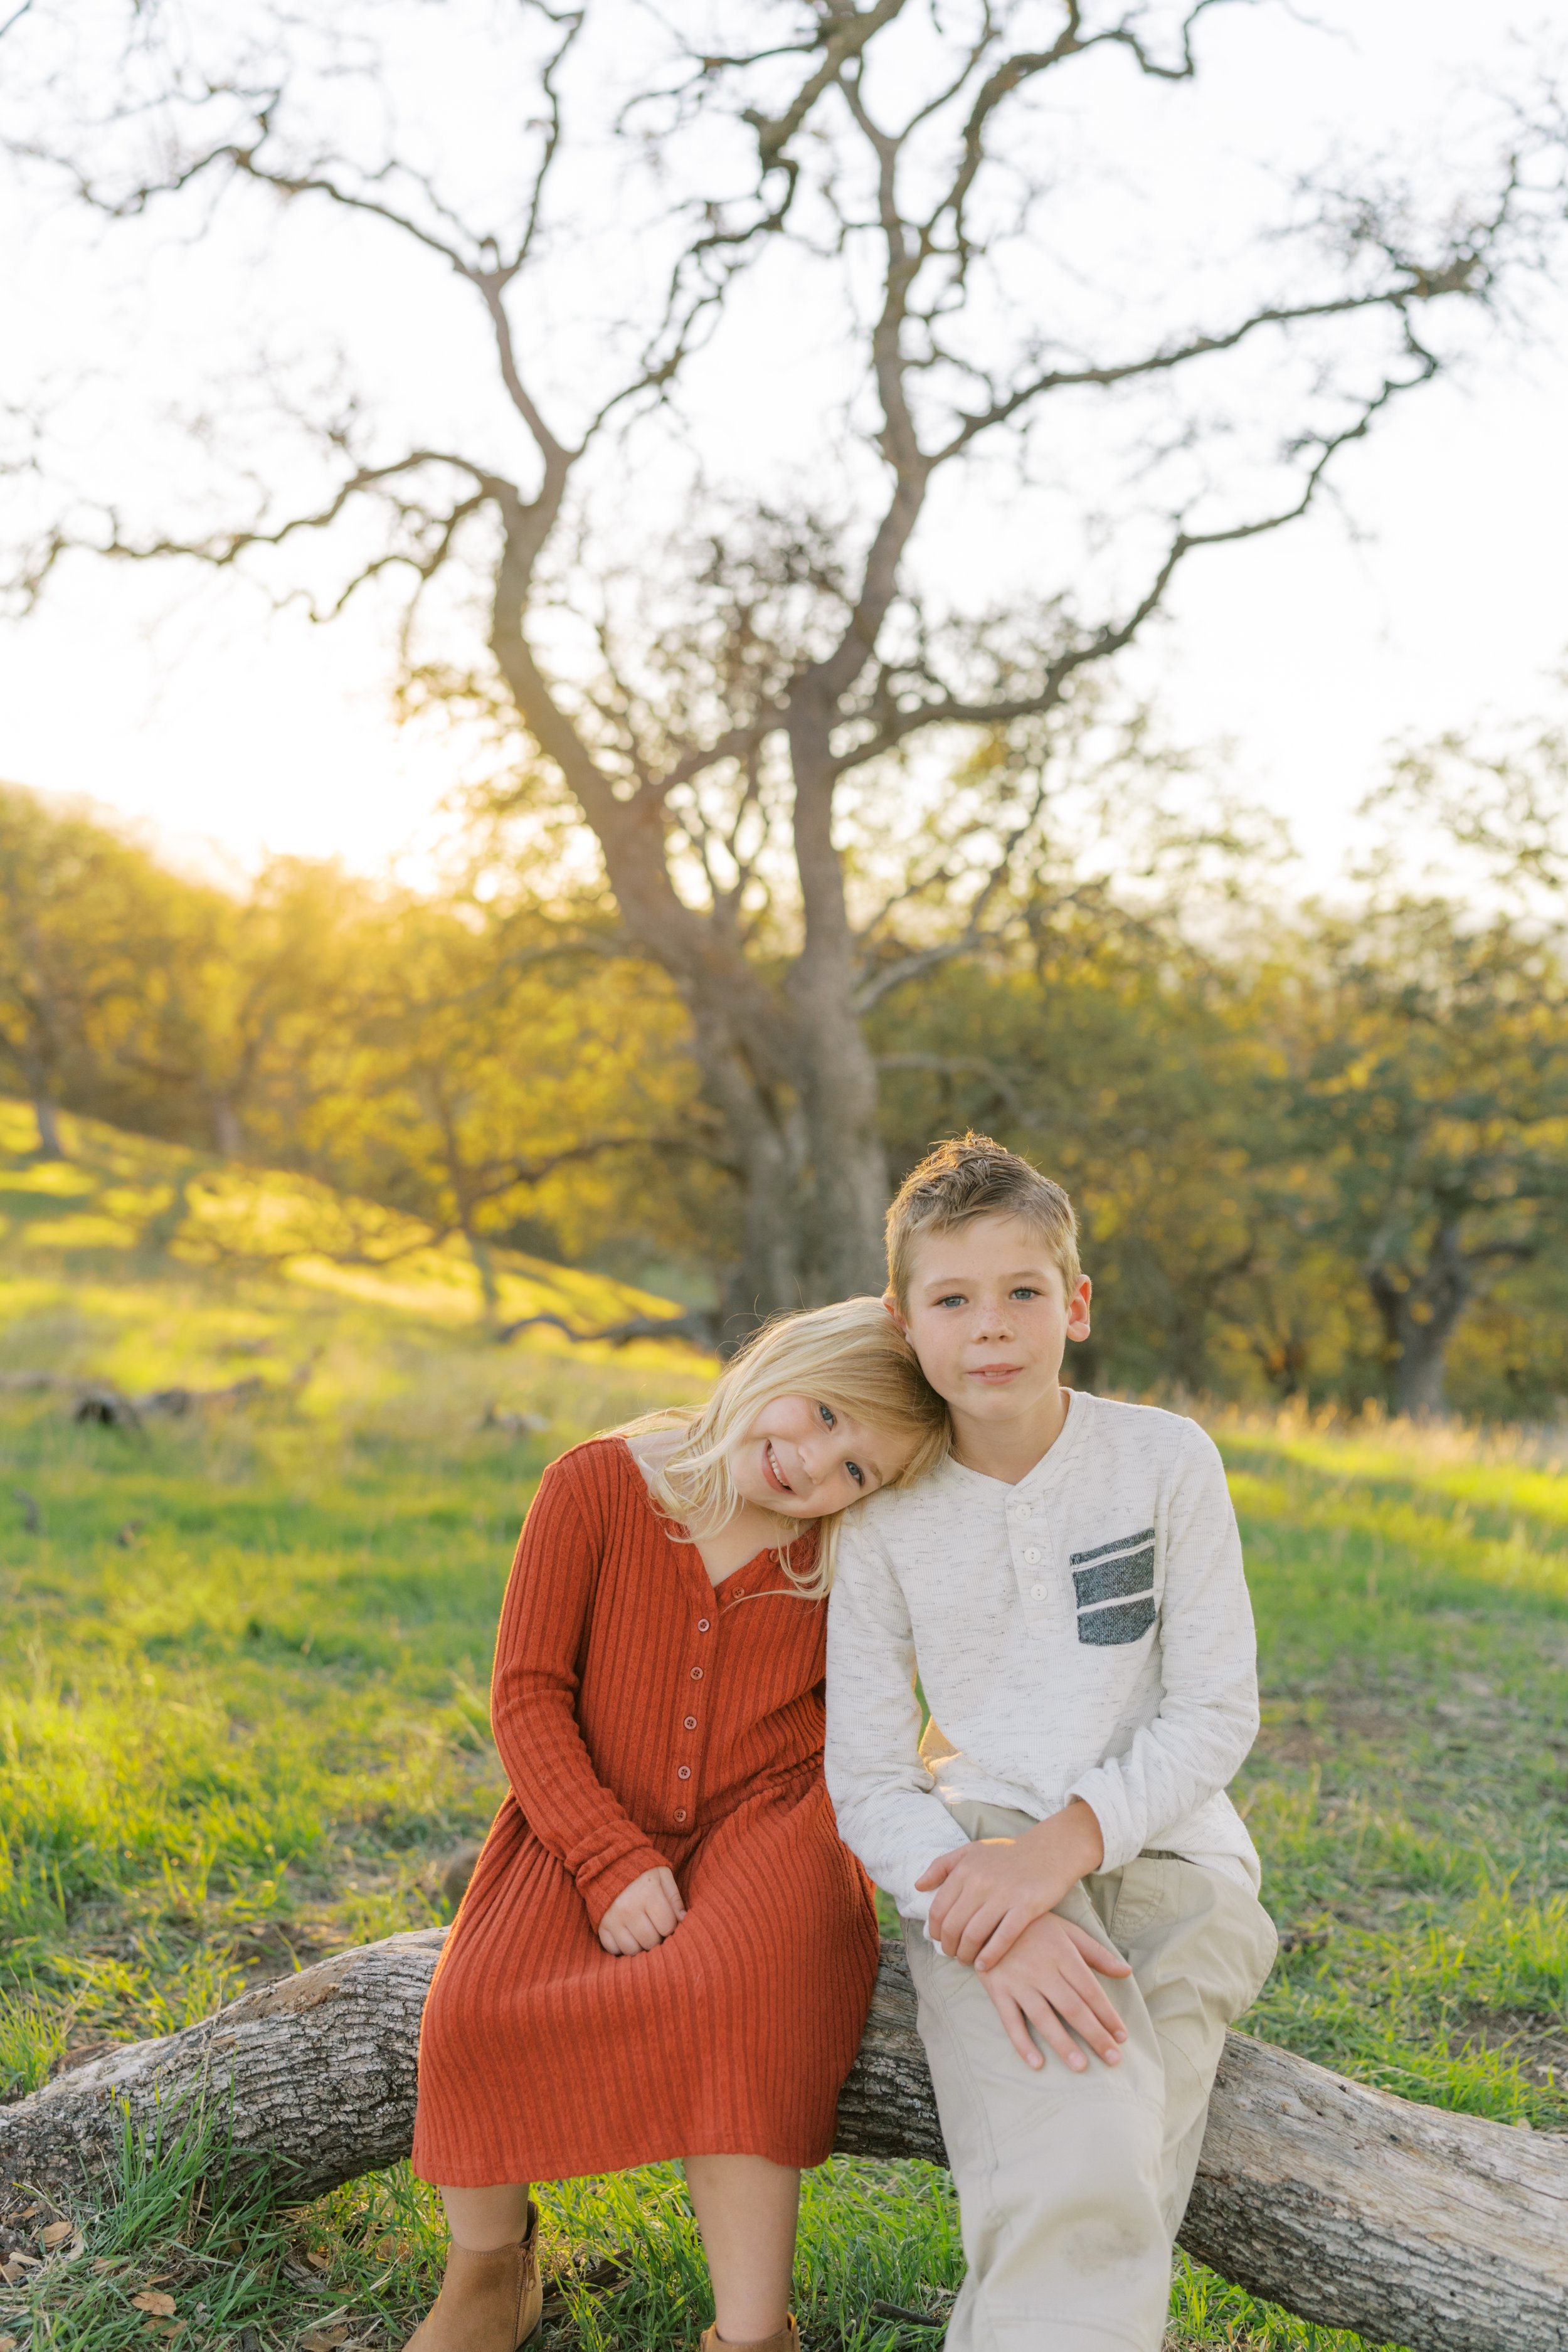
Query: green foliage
{"points": [[1317, 1167], [1321, 1157]]}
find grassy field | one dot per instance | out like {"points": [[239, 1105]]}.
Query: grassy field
{"points": [[242, 1723]]}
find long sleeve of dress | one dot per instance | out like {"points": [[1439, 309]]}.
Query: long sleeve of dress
{"points": [[534, 1692]]}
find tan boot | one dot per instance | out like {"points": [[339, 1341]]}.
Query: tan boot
{"points": [[488, 2302], [786, 2340]]}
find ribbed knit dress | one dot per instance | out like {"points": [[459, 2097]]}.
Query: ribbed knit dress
{"points": [[644, 1716]]}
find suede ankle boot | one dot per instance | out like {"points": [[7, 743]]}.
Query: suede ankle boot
{"points": [[786, 2340], [488, 2302]]}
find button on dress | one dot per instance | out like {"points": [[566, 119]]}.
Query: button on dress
{"points": [[644, 1715]]}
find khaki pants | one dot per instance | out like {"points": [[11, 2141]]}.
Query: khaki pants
{"points": [[1072, 2186]]}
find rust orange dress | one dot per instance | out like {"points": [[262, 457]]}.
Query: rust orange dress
{"points": [[645, 1716]]}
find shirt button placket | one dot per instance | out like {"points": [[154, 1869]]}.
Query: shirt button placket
{"points": [[688, 1723], [1029, 1553]]}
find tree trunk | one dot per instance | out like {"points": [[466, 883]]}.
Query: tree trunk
{"points": [[807, 1156], [228, 1135], [1420, 1315], [765, 1147], [848, 1167], [484, 1267], [47, 1121], [1350, 2207], [805, 1149], [849, 1189]]}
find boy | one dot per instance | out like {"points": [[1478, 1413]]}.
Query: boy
{"points": [[1068, 1587]]}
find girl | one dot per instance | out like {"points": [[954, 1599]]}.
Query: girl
{"points": [[665, 1950]]}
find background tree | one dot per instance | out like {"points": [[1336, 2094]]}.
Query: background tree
{"points": [[236, 991], [493, 1082], [1431, 1077], [714, 694], [75, 906]]}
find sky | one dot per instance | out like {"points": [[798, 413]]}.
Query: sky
{"points": [[1431, 595]]}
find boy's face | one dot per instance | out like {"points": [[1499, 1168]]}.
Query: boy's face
{"points": [[988, 1319]]}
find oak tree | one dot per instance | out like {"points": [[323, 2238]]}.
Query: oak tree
{"points": [[754, 419]]}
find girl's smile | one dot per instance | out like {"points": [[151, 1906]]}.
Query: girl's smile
{"points": [[771, 1470]]}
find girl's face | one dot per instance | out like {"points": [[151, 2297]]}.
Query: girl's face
{"points": [[801, 1459]]}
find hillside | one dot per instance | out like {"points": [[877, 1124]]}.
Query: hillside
{"points": [[123, 1206]]}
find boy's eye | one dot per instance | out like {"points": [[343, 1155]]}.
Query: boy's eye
{"points": [[856, 1473], [1025, 1291], [829, 1418]]}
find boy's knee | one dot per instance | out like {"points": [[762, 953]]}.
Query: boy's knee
{"points": [[1071, 2247], [1089, 2190]]}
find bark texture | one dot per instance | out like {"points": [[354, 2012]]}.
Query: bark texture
{"points": [[1420, 1315], [1347, 2205]]}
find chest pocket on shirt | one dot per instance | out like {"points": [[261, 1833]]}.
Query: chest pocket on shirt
{"points": [[1113, 1586]]}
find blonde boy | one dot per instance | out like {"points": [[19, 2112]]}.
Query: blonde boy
{"points": [[1079, 1895]]}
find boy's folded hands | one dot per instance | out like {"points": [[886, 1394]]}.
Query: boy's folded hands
{"points": [[994, 1906], [987, 1893], [1048, 1980], [643, 1914]]}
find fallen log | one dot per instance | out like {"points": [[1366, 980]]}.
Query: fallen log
{"points": [[1347, 2205]]}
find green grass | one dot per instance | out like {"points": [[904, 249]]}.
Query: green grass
{"points": [[242, 1722], [1410, 1787]]}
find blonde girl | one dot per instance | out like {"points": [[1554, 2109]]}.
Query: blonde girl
{"points": [[665, 1950]]}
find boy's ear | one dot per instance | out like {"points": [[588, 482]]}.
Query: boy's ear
{"points": [[890, 1301]]}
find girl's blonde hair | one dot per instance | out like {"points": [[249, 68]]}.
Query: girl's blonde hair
{"points": [[852, 1358]]}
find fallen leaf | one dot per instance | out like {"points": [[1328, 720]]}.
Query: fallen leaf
{"points": [[318, 2259], [12, 2272], [391, 2250], [326, 2339], [7, 2343], [105, 2262], [58, 2232], [161, 2306]]}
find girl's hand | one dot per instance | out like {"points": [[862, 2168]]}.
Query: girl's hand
{"points": [[643, 1914]]}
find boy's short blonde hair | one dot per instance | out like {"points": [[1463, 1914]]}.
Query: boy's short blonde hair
{"points": [[967, 1177]]}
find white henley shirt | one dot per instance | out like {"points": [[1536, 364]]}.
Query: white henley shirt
{"points": [[1084, 1634]]}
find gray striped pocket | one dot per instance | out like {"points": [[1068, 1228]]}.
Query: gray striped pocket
{"points": [[1114, 1588], [1113, 1579], [1128, 1621]]}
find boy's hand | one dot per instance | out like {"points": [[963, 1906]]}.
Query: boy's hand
{"points": [[987, 1893], [1048, 1980], [643, 1914]]}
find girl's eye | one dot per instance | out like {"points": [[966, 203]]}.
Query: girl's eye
{"points": [[954, 1298], [829, 1418], [856, 1473], [1023, 1291]]}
